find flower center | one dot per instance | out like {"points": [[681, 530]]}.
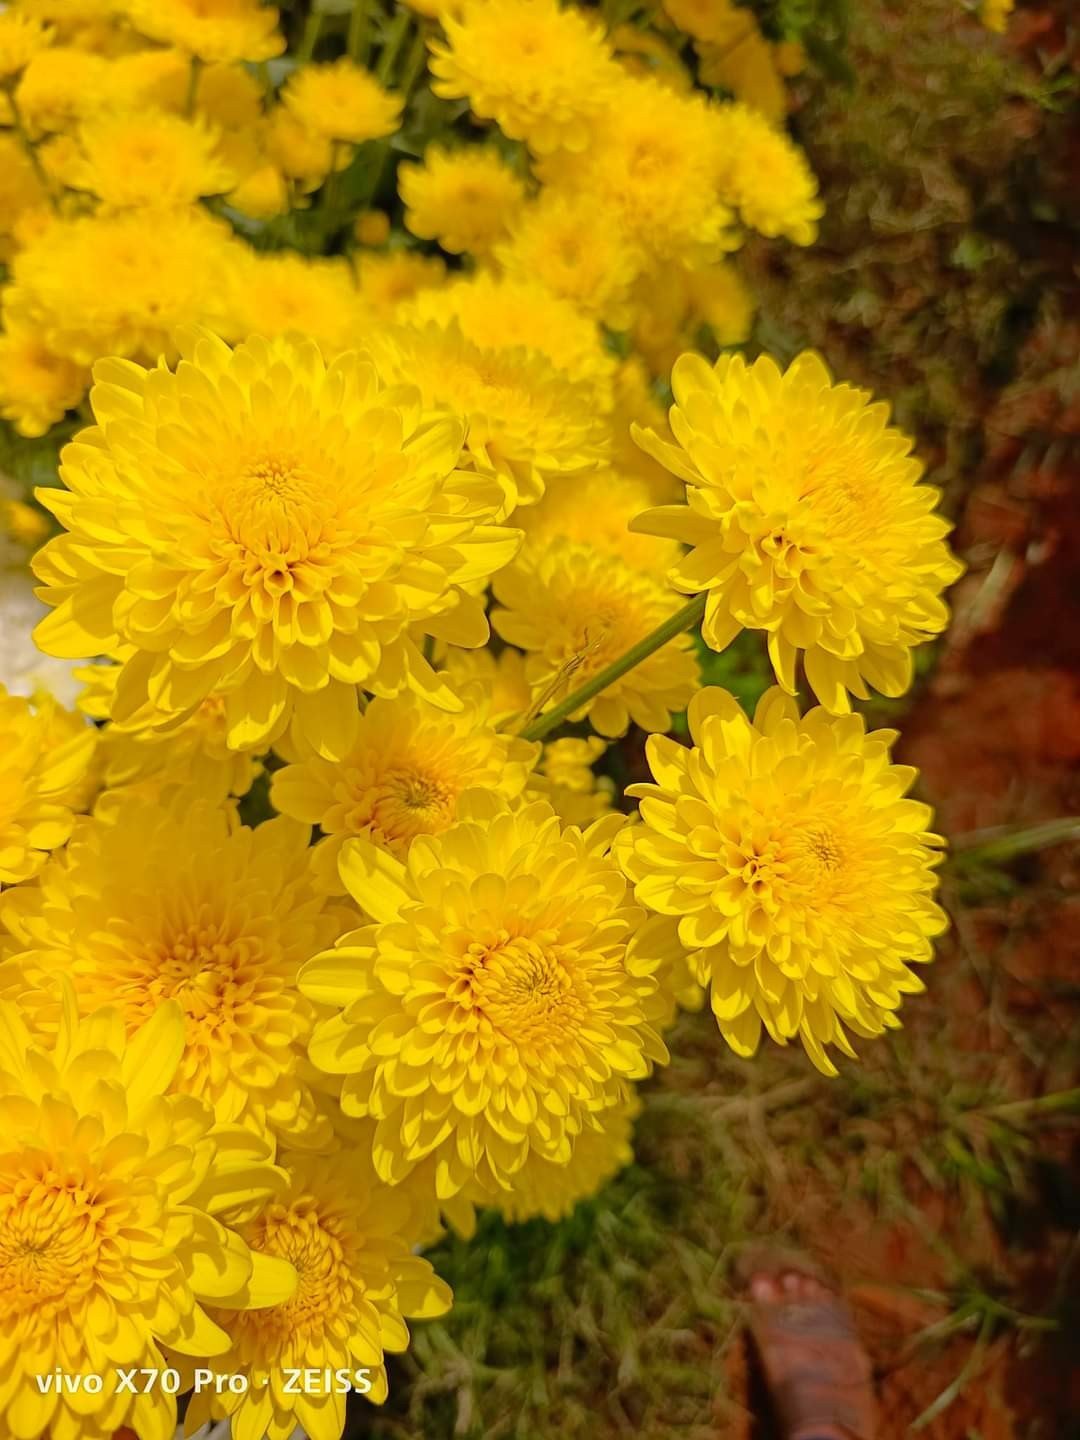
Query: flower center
{"points": [[524, 990], [49, 1242], [324, 1291]]}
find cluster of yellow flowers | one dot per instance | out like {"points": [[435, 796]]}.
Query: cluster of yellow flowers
{"points": [[315, 933]]}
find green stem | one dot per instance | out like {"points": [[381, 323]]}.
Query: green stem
{"points": [[1067, 1101], [1004, 842], [192, 85], [395, 39], [358, 38], [310, 38], [682, 620], [28, 146], [414, 63]]}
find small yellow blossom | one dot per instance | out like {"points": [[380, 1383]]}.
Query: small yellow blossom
{"points": [[37, 388], [213, 30], [403, 777], [566, 780], [491, 1012], [596, 509], [465, 198], [501, 676], [389, 281], [799, 877], [808, 521], [372, 227], [766, 178], [341, 101], [575, 609], [276, 292], [61, 86], [147, 159]]}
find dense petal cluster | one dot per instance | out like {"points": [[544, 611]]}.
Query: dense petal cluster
{"points": [[491, 1010], [282, 523], [131, 159], [465, 199], [341, 102], [118, 1207], [807, 520], [177, 901], [801, 879]]}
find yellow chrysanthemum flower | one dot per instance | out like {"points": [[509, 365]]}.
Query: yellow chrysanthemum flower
{"points": [[765, 177], [37, 781], [299, 153], [808, 521], [596, 510], [114, 1202], [403, 777], [566, 780], [193, 755], [539, 71], [563, 244], [348, 1238], [653, 169], [37, 388], [801, 879], [497, 314], [341, 101], [602, 1149], [524, 419], [165, 271], [492, 1009], [502, 677], [465, 198], [575, 609], [59, 87], [147, 158], [282, 524], [177, 901], [277, 292], [214, 30], [21, 38], [387, 282]]}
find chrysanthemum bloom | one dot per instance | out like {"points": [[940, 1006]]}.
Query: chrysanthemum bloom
{"points": [[193, 755], [21, 37], [282, 523], [147, 158], [497, 313], [341, 101], [653, 165], [389, 281], [112, 1201], [59, 87], [178, 901], [37, 388], [165, 271], [539, 71], [275, 292], [561, 243], [566, 780], [403, 776], [37, 780], [575, 609], [808, 521], [491, 1010], [765, 177], [596, 509], [602, 1149], [502, 677], [211, 29], [347, 1236], [524, 419], [464, 198], [801, 878]]}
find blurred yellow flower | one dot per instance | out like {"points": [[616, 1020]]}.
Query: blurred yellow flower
{"points": [[340, 101], [491, 1012], [502, 677], [147, 158], [539, 71], [219, 30], [596, 509], [21, 38], [115, 1198], [275, 292], [808, 521], [566, 780], [800, 879], [575, 609], [464, 198], [766, 178], [274, 528], [389, 280], [37, 388], [59, 87]]}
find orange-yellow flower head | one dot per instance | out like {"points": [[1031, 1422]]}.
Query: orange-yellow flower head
{"points": [[211, 29], [808, 521], [115, 1198], [341, 101], [38, 783], [465, 199], [497, 1006], [800, 878], [176, 901], [349, 1239], [539, 71], [403, 776], [576, 609], [263, 527]]}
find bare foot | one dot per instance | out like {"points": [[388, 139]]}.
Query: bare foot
{"points": [[816, 1372]]}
